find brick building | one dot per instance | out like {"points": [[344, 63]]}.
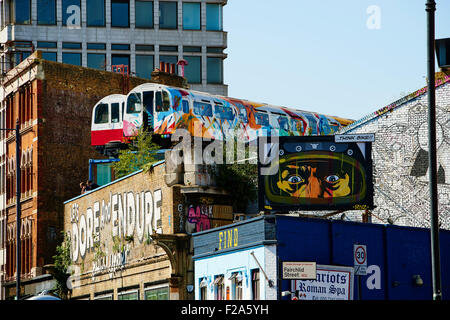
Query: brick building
{"points": [[53, 103], [130, 239], [400, 157]]}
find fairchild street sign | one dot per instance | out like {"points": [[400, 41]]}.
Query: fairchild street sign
{"points": [[360, 259], [299, 270]]}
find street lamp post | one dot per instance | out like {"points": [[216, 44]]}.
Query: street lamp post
{"points": [[18, 207], [434, 214]]}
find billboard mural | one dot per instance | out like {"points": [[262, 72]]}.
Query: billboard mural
{"points": [[314, 173]]}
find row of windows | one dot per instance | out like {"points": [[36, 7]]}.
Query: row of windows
{"points": [[161, 293], [120, 14], [236, 290], [145, 64], [125, 46]]}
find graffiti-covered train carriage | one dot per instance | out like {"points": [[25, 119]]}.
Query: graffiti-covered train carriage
{"points": [[164, 109]]}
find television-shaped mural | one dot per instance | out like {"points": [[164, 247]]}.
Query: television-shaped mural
{"points": [[314, 173]]}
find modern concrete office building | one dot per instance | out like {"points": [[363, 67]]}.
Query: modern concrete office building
{"points": [[136, 33]]}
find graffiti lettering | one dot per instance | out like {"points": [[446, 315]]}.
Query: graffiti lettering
{"points": [[198, 218], [125, 214]]}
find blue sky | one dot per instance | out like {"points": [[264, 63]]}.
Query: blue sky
{"points": [[328, 56]]}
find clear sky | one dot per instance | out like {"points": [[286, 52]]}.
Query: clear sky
{"points": [[344, 58]]}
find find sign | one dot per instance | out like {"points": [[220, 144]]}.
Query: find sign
{"points": [[360, 259]]}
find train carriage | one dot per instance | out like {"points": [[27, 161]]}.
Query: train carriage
{"points": [[163, 109]]}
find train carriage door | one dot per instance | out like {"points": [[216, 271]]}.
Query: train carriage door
{"points": [[147, 115], [115, 116], [162, 117]]}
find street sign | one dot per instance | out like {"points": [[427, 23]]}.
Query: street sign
{"points": [[360, 259], [299, 270], [362, 137]]}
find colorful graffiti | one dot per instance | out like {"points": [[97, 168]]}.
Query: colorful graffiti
{"points": [[220, 118], [318, 174], [198, 218]]}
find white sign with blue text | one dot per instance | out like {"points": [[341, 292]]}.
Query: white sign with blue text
{"points": [[331, 283]]}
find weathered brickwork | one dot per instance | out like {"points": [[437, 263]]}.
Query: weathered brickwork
{"points": [[55, 134], [134, 232], [400, 157]]}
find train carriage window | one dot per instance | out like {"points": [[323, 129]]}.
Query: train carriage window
{"points": [[203, 109], [134, 103], [242, 113], [101, 113], [312, 123], [262, 119], [162, 101], [115, 113], [185, 106], [284, 123], [297, 125], [223, 112]]}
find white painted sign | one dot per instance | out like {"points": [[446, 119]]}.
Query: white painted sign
{"points": [[299, 270], [125, 215], [331, 283], [362, 137], [360, 259]]}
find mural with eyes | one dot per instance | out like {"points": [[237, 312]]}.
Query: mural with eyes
{"points": [[318, 174]]}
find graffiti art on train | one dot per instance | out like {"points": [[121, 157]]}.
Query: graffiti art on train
{"points": [[165, 109], [315, 173]]}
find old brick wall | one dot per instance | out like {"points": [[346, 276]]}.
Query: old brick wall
{"points": [[68, 95], [400, 157]]}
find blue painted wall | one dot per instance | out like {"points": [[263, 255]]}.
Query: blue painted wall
{"points": [[397, 252]]}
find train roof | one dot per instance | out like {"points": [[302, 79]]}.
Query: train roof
{"points": [[112, 97], [258, 105]]}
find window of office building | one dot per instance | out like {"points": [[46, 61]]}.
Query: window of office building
{"points": [[157, 293], [214, 50], [191, 16], [193, 70], [95, 10], [120, 46], [214, 70], [128, 295], [144, 66], [71, 12], [71, 45], [50, 56], [144, 14], [96, 61], [120, 13], [46, 12], [118, 59], [71, 58], [96, 46], [213, 17], [103, 296], [46, 44], [192, 49], [21, 12], [168, 48], [145, 47], [168, 15]]}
